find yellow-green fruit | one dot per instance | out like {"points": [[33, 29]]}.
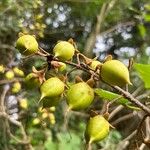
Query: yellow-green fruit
{"points": [[16, 87], [2, 69], [52, 118], [9, 75], [80, 96], [18, 72], [50, 101], [94, 64], [52, 108], [64, 50], [97, 129], [36, 121], [31, 81], [62, 67], [44, 115], [114, 73], [27, 45], [23, 103], [52, 87]]}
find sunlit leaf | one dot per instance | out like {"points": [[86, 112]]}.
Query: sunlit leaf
{"points": [[147, 17], [109, 96], [144, 73], [142, 30]]}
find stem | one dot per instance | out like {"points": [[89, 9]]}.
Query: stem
{"points": [[132, 99], [89, 146]]}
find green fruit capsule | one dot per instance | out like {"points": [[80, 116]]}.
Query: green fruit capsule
{"points": [[50, 101], [94, 64], [27, 45], [97, 129], [52, 87], [80, 96], [64, 50], [114, 73]]}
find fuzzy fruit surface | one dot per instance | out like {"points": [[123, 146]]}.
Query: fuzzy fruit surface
{"points": [[94, 64], [50, 101], [115, 72], [64, 50], [27, 45], [97, 129], [80, 96], [52, 87]]}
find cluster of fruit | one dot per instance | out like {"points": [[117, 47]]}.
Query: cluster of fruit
{"points": [[10, 74], [45, 116], [79, 95]]}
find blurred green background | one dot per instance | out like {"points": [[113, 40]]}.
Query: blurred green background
{"points": [[99, 27]]}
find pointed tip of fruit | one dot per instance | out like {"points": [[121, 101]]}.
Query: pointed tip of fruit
{"points": [[42, 96], [130, 83], [90, 141], [69, 109]]}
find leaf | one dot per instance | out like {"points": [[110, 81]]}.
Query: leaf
{"points": [[144, 73], [142, 30], [64, 142], [147, 17], [67, 143], [49, 144], [109, 96]]}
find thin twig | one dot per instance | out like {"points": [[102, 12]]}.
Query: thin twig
{"points": [[25, 139], [136, 92], [119, 25], [125, 142], [92, 38], [144, 95], [132, 99], [10, 81], [123, 118], [81, 114], [2, 98], [115, 111]]}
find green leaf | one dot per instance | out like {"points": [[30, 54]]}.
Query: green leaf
{"points": [[147, 6], [142, 30], [144, 73], [49, 144], [109, 96], [147, 17], [64, 142], [67, 143]]}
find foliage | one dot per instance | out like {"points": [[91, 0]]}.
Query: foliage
{"points": [[144, 71]]}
